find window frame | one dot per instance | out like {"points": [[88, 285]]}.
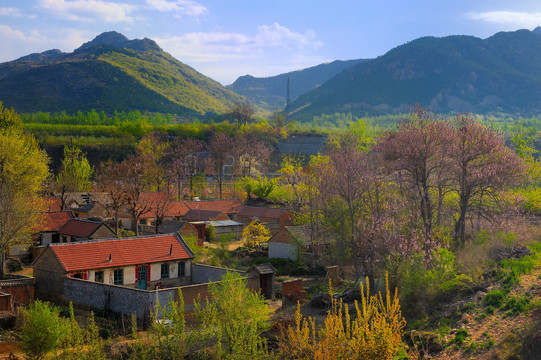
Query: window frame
{"points": [[101, 276], [165, 274], [181, 269], [118, 277]]}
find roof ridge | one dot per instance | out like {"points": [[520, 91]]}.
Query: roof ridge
{"points": [[113, 239]]}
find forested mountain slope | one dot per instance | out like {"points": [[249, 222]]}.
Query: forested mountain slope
{"points": [[110, 73]]}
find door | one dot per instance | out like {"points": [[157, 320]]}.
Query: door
{"points": [[142, 277]]}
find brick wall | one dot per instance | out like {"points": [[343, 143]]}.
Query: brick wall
{"points": [[291, 286], [20, 289], [5, 302]]}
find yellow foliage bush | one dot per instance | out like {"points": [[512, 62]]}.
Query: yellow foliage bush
{"points": [[374, 333]]}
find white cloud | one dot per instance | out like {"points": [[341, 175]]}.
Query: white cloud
{"points": [[186, 7], [225, 55], [513, 18], [17, 43], [90, 10], [14, 12], [207, 47]]}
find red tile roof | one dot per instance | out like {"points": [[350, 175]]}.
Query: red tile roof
{"points": [[262, 212], [180, 208], [150, 196], [167, 209], [122, 252], [228, 206], [52, 203], [203, 215], [80, 227], [53, 220]]}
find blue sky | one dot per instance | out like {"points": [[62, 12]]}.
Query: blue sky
{"points": [[225, 39]]}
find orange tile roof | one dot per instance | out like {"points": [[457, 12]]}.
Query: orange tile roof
{"points": [[91, 255], [201, 215], [52, 203], [228, 206], [168, 209], [262, 212], [150, 196], [53, 220], [80, 227]]}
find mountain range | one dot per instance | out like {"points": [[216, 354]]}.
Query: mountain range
{"points": [[111, 73], [450, 74], [270, 93]]}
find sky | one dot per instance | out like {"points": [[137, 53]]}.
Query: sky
{"points": [[225, 39]]}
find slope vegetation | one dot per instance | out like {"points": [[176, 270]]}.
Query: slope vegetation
{"points": [[111, 73], [450, 74]]}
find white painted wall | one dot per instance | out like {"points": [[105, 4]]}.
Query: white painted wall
{"points": [[282, 251]]}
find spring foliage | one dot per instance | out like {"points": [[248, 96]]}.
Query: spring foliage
{"points": [[373, 332]]}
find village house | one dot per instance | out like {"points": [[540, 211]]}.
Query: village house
{"points": [[202, 219], [143, 262], [131, 276], [272, 218], [51, 222], [81, 229]]}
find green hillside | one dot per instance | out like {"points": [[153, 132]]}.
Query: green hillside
{"points": [[270, 92], [450, 74], [111, 73]]}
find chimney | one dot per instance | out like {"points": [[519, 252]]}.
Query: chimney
{"points": [[171, 250]]}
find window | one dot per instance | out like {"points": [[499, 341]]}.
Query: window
{"points": [[165, 271], [119, 277], [181, 269], [98, 276]]}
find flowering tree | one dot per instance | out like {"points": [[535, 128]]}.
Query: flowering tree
{"points": [[183, 158], [221, 147], [481, 165], [416, 153], [109, 180]]}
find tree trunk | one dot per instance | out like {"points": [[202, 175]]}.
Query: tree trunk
{"points": [[2, 262]]}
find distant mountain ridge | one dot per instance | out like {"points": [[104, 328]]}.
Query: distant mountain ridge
{"points": [[451, 74], [111, 73], [270, 92]]}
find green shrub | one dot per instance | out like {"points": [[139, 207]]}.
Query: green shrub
{"points": [[494, 298], [42, 331], [517, 305], [460, 336]]}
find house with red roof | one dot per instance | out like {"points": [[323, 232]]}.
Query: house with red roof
{"points": [[274, 219], [50, 223], [82, 229], [142, 262]]}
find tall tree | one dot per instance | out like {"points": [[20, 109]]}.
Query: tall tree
{"points": [[109, 179], [134, 183], [250, 151], [183, 157], [242, 113], [23, 169], [416, 153], [74, 174], [481, 165], [221, 148]]}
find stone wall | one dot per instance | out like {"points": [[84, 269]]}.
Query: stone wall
{"points": [[120, 299], [202, 274]]}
